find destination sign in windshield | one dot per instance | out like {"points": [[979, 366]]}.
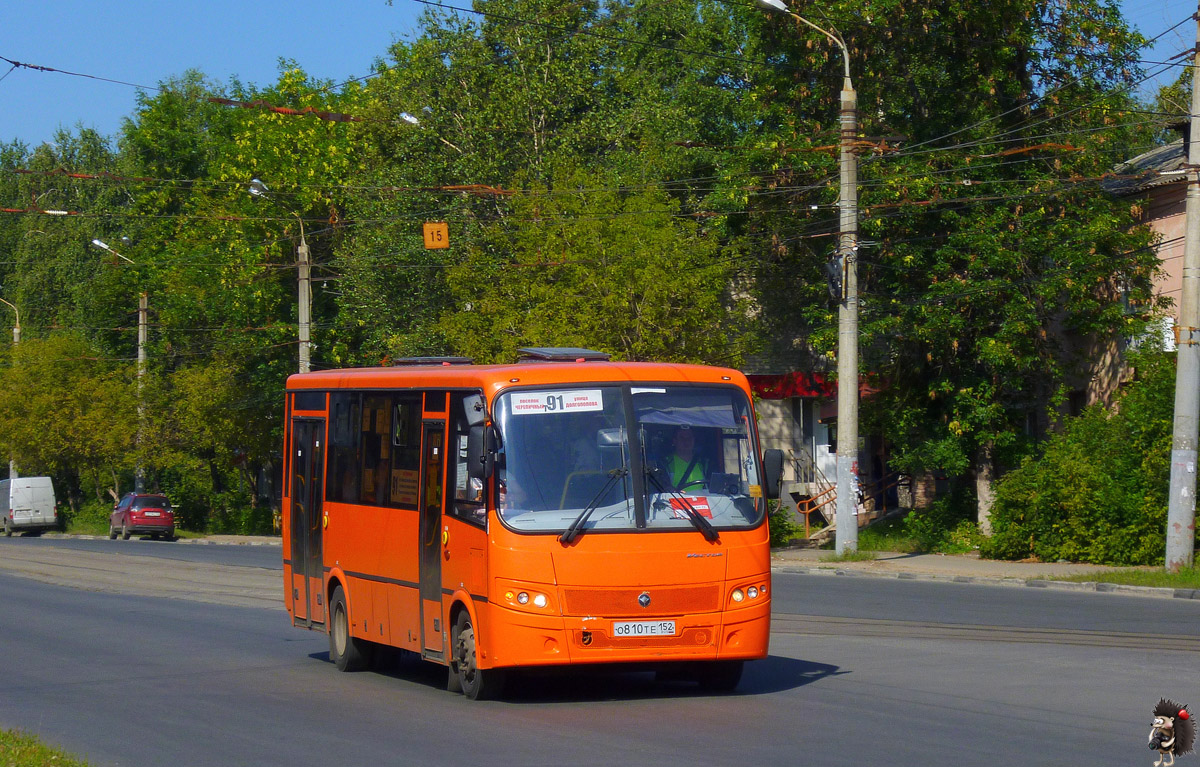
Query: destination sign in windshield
{"points": [[562, 401]]}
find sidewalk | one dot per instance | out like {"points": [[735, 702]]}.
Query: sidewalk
{"points": [[967, 568]]}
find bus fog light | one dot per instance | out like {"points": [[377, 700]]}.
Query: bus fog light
{"points": [[509, 595], [522, 598], [752, 592], [737, 595], [540, 600]]}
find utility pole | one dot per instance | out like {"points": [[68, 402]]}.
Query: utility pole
{"points": [[258, 189], [139, 475], [305, 300], [846, 511], [1181, 504], [12, 465], [846, 508]]}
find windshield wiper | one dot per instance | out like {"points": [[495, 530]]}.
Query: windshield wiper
{"points": [[576, 527], [697, 519]]}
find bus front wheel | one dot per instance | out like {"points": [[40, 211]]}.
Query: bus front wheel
{"points": [[476, 683], [346, 652]]}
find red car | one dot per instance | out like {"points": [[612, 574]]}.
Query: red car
{"points": [[143, 513]]}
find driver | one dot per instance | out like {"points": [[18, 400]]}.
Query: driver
{"points": [[684, 465]]}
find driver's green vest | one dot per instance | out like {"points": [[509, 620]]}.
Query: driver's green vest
{"points": [[676, 466]]}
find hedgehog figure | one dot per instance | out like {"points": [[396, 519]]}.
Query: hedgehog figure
{"points": [[1172, 731]]}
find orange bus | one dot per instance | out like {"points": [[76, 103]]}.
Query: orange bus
{"points": [[562, 510]]}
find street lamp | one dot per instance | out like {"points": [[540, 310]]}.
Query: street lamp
{"points": [[139, 474], [258, 189], [12, 465], [846, 517], [104, 246], [17, 327]]}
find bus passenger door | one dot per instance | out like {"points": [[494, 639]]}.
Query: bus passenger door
{"points": [[308, 463], [432, 473]]}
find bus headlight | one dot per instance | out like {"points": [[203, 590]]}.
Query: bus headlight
{"points": [[737, 595], [525, 596], [752, 592]]}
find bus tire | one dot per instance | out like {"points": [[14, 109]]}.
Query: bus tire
{"points": [[348, 653], [720, 675], [476, 683]]}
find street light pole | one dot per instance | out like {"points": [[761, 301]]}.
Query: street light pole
{"points": [[139, 471], [139, 474], [846, 516], [1181, 502], [304, 268], [12, 465]]}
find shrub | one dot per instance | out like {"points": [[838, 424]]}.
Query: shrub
{"points": [[780, 524], [947, 524], [1098, 492]]}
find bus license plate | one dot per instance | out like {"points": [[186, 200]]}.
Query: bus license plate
{"points": [[643, 628]]}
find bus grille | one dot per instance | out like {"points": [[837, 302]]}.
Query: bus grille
{"points": [[664, 600], [697, 636]]}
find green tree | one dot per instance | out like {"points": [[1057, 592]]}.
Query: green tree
{"points": [[623, 273], [1098, 493], [68, 412]]}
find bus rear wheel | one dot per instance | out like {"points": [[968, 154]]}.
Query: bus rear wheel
{"points": [[347, 653], [476, 683]]}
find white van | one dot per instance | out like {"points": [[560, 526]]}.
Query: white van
{"points": [[27, 504]]}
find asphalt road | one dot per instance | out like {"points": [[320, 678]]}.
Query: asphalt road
{"points": [[861, 671]]}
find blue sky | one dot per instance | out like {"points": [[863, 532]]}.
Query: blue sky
{"points": [[142, 42]]}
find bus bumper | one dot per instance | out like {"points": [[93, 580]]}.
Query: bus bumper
{"points": [[526, 639]]}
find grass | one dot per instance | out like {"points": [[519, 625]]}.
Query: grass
{"points": [[1187, 578], [850, 556], [18, 749], [887, 535]]}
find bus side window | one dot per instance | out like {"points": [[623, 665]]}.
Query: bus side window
{"points": [[376, 449], [342, 482], [466, 493], [406, 451]]}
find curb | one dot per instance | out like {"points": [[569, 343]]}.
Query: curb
{"points": [[1036, 583], [189, 541]]}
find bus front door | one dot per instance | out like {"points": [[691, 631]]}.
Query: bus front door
{"points": [[308, 462], [432, 482]]}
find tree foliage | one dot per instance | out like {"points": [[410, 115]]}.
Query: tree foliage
{"points": [[657, 180], [1067, 504]]}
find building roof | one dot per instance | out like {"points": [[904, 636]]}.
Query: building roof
{"points": [[1160, 166]]}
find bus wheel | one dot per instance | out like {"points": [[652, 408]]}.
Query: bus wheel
{"points": [[720, 675], [346, 652], [476, 683]]}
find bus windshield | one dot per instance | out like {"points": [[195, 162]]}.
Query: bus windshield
{"points": [[576, 457]]}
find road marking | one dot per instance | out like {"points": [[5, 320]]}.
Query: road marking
{"points": [[817, 625]]}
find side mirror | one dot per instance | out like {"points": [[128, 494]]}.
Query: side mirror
{"points": [[481, 451], [474, 409], [772, 472]]}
